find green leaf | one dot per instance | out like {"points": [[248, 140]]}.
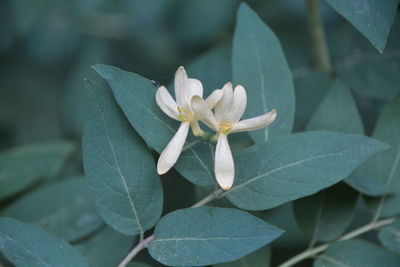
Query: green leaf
{"points": [[337, 112], [272, 173], [326, 215], [107, 248], [23, 166], [26, 245], [389, 236], [260, 258], [373, 18], [220, 235], [356, 253], [121, 169], [258, 63], [136, 96], [362, 68], [64, 209], [389, 206], [383, 169]]}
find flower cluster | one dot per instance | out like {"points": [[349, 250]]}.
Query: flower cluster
{"points": [[221, 111]]}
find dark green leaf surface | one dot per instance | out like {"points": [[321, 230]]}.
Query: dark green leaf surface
{"points": [[356, 253], [136, 96], [272, 173], [26, 245], [260, 258], [326, 215], [23, 166], [383, 169], [220, 235], [121, 169], [373, 18], [389, 207], [389, 236], [258, 63], [107, 248], [337, 112], [65, 209]]}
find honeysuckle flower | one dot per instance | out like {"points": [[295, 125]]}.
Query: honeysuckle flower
{"points": [[181, 110], [226, 120]]}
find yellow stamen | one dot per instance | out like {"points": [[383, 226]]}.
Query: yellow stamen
{"points": [[185, 114], [224, 128]]}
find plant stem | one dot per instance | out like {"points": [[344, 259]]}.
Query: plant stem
{"points": [[144, 243], [314, 251], [318, 38]]}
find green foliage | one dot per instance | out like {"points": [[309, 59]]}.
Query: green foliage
{"points": [[122, 174], [292, 167], [220, 235], [373, 18], [258, 63], [389, 236], [26, 245], [356, 253], [260, 258], [24, 166], [64, 209]]}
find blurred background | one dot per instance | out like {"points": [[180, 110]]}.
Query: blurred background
{"points": [[47, 47]]}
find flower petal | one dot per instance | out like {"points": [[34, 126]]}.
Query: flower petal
{"points": [[203, 112], [174, 148], [181, 85], [224, 167], [254, 123], [223, 107], [239, 103], [214, 98], [196, 88], [166, 102]]}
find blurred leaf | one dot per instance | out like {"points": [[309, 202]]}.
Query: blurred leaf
{"points": [[389, 206], [201, 21], [356, 253], [64, 209], [389, 236], [23, 166], [272, 173], [373, 18], [107, 248], [326, 215], [337, 112], [382, 170], [220, 235], [362, 68], [212, 68], [26, 245], [258, 63], [136, 96], [311, 87], [260, 258], [121, 169]]}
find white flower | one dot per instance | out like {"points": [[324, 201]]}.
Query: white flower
{"points": [[181, 110], [225, 120]]}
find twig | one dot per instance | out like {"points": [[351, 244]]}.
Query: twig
{"points": [[144, 243]]}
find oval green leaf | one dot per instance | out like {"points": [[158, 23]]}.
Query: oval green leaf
{"points": [[120, 167], [26, 245], [207, 235]]}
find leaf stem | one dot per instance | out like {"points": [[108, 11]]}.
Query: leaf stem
{"points": [[144, 243], [318, 38], [314, 251]]}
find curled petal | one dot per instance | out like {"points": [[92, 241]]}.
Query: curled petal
{"points": [[166, 102], [196, 88], [224, 167], [254, 123], [239, 103], [181, 84], [196, 130], [174, 148], [203, 113], [224, 106], [214, 98]]}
